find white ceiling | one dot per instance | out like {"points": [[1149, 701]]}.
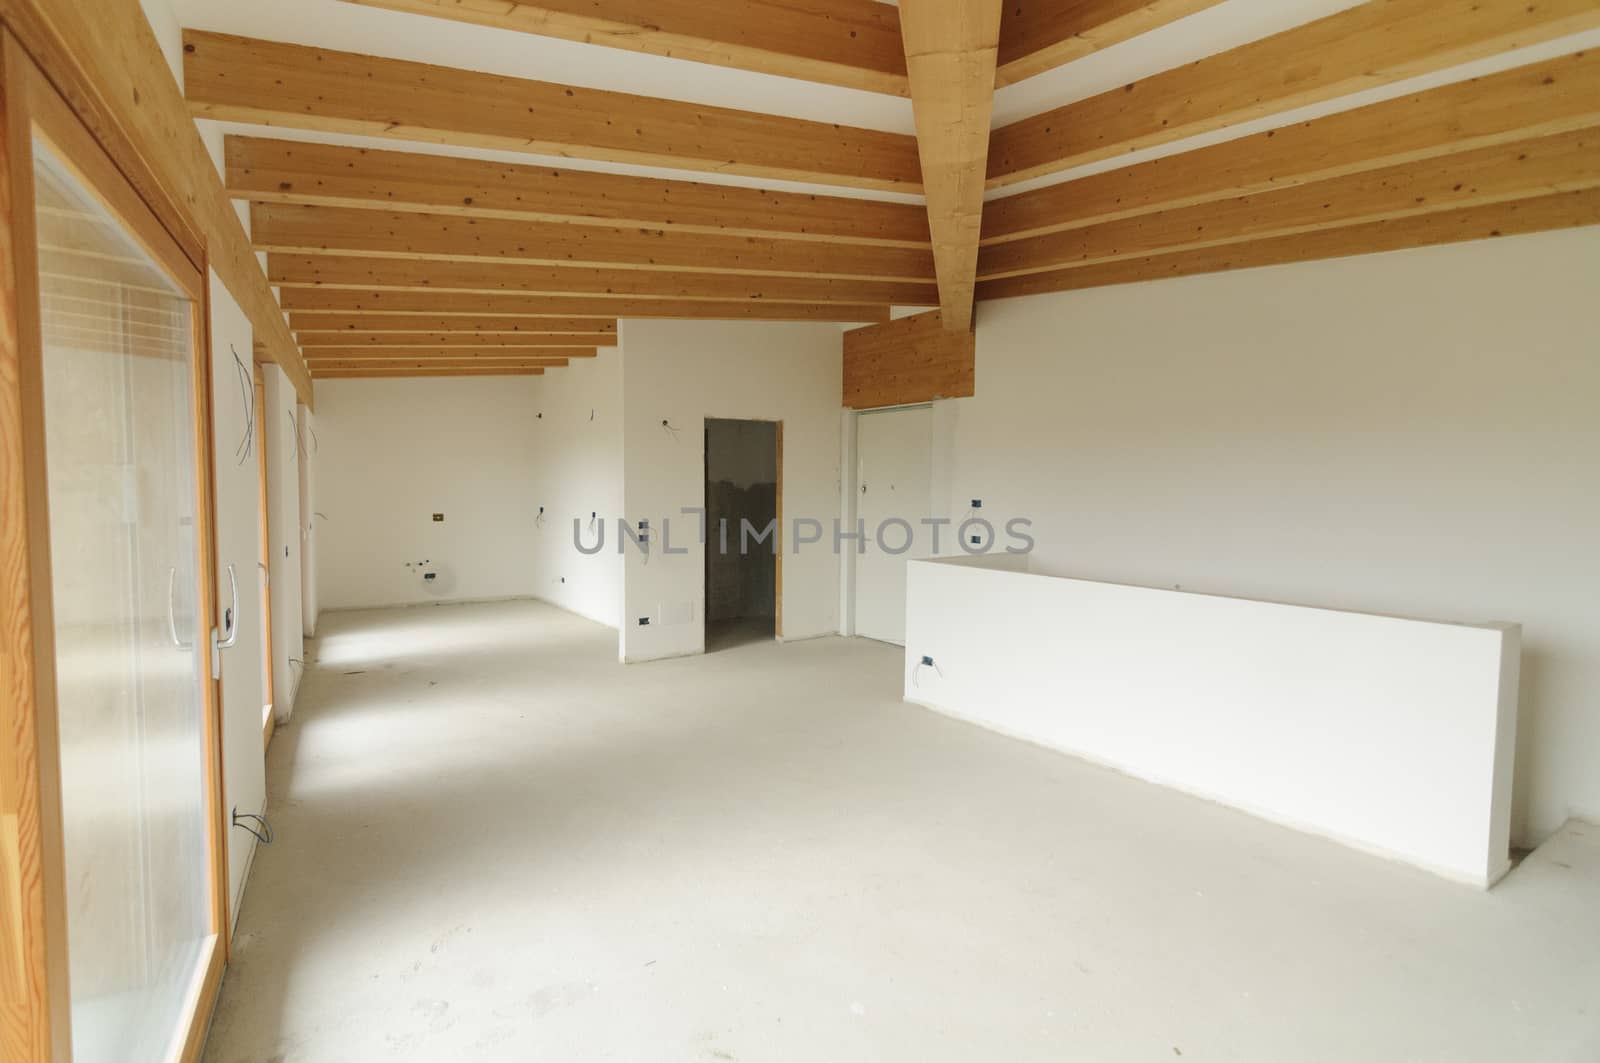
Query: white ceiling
{"points": [[373, 31]]}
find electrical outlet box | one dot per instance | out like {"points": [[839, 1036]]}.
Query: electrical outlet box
{"points": [[644, 621], [977, 540], [927, 660], [644, 525], [438, 518], [977, 503]]}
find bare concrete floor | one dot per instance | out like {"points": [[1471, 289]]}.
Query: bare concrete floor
{"points": [[496, 843]]}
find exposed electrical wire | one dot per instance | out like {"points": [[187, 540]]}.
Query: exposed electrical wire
{"points": [[294, 425], [668, 427], [247, 394], [264, 839], [926, 662]]}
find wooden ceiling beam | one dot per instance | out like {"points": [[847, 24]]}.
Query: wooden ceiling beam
{"points": [[380, 374], [318, 364], [333, 271], [241, 79], [851, 43], [1040, 35], [342, 230], [312, 341], [1557, 96], [313, 307], [950, 50], [317, 324], [1568, 162], [290, 171], [412, 354], [1541, 214], [1363, 47]]}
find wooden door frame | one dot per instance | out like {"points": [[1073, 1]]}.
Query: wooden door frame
{"points": [[269, 701], [35, 995], [777, 533]]}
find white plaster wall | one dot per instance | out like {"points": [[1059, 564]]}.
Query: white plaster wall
{"points": [[278, 435], [238, 530], [309, 454], [393, 452], [683, 372], [1389, 734], [238, 526], [1414, 433], [576, 471]]}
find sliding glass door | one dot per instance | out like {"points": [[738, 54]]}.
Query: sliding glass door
{"points": [[111, 379], [118, 342]]}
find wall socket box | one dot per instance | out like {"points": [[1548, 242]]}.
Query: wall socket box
{"points": [[438, 518]]}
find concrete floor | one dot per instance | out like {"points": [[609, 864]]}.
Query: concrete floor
{"points": [[496, 843]]}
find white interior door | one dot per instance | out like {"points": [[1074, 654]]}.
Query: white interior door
{"points": [[894, 478]]}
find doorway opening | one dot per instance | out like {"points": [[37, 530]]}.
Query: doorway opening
{"points": [[894, 482], [744, 564]]}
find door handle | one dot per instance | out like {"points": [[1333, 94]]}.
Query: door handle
{"points": [[172, 620], [232, 636]]}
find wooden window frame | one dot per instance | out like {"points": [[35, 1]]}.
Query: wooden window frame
{"points": [[35, 997]]}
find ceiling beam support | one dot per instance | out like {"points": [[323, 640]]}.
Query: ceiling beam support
{"points": [[246, 80], [314, 307], [292, 171], [950, 48], [416, 275], [1542, 214], [316, 341], [413, 354], [380, 374], [402, 324], [387, 234], [1040, 35], [851, 43], [1363, 47], [1558, 96], [1568, 162]]}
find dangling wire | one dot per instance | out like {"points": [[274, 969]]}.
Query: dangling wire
{"points": [[264, 839], [247, 393]]}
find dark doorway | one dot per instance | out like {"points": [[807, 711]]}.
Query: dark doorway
{"points": [[742, 505]]}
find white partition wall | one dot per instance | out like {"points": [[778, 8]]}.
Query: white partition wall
{"points": [[1392, 735]]}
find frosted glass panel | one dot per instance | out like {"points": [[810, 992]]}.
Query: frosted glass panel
{"points": [[118, 341]]}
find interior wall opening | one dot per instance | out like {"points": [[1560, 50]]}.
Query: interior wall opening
{"points": [[742, 482]]}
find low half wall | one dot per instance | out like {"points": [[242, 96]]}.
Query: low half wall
{"points": [[1388, 734]]}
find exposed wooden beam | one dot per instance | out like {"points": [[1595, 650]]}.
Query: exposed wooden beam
{"points": [[379, 233], [313, 306], [1567, 162], [910, 359], [332, 271], [319, 365], [463, 353], [853, 43], [130, 97], [1377, 43], [379, 374], [289, 171], [1562, 211], [1040, 35], [315, 324], [241, 79], [313, 341], [950, 50], [1557, 96]]}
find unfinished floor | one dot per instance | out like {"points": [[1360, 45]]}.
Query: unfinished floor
{"points": [[496, 843]]}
